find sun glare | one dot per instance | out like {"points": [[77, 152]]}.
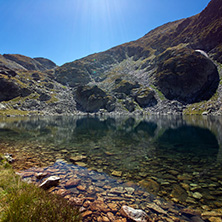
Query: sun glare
{"points": [[99, 19]]}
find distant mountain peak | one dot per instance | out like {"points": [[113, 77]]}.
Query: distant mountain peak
{"points": [[17, 61]]}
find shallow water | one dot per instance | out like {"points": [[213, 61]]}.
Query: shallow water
{"points": [[174, 157]]}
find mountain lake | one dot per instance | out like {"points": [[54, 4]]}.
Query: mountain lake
{"points": [[138, 161]]}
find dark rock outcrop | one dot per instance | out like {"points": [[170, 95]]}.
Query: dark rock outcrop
{"points": [[7, 71], [9, 90], [36, 76], [25, 92], [125, 87], [44, 97], [146, 97], [92, 99], [130, 105], [46, 63], [186, 75], [72, 76]]}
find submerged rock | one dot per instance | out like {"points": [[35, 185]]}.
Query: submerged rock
{"points": [[99, 206], [130, 190], [197, 195], [72, 183], [210, 214], [78, 158], [135, 215], [86, 213], [117, 190], [156, 208], [81, 164], [151, 185], [179, 193], [117, 173], [110, 216], [41, 175]]}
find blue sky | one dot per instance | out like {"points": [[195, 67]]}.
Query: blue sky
{"points": [[66, 30]]}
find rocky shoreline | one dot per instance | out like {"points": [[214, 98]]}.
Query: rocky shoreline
{"points": [[102, 198]]}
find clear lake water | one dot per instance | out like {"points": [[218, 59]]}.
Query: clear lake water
{"points": [[177, 158]]}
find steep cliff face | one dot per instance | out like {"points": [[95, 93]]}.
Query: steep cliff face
{"points": [[172, 66]]}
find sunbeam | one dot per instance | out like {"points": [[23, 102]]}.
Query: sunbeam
{"points": [[98, 21]]}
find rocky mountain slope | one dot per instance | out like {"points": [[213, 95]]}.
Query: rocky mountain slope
{"points": [[174, 68], [21, 62]]}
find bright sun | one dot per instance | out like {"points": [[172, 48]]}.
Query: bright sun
{"points": [[99, 18]]}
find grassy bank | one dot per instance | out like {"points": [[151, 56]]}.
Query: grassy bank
{"points": [[21, 202]]}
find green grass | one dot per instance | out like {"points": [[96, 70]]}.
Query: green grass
{"points": [[22, 202], [160, 94], [15, 112], [21, 99], [200, 107]]}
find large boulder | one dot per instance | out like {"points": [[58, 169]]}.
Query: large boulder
{"points": [[8, 89], [7, 71], [50, 182], [129, 104], [72, 76], [92, 99], [134, 214], [186, 75], [145, 97], [124, 86]]}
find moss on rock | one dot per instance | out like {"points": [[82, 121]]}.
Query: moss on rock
{"points": [[124, 86], [146, 97], [92, 99]]}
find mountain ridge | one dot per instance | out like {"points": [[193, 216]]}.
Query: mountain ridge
{"points": [[167, 70], [17, 61]]}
